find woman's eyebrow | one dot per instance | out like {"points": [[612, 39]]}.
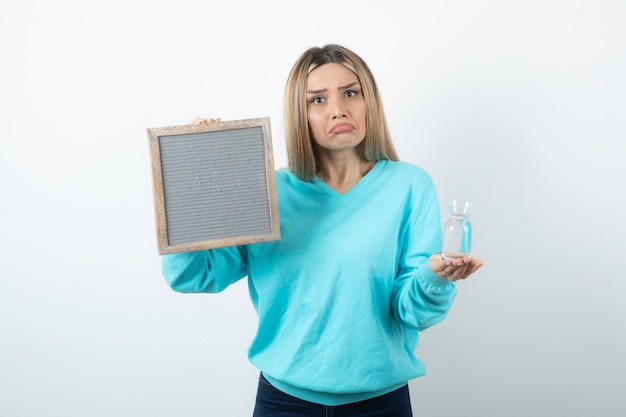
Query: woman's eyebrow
{"points": [[350, 85], [316, 91], [345, 87]]}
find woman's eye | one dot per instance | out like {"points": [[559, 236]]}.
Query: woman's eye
{"points": [[317, 100], [351, 93]]}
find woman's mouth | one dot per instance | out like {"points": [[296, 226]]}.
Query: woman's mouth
{"points": [[342, 128]]}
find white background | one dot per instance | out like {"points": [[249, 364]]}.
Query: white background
{"points": [[518, 106]]}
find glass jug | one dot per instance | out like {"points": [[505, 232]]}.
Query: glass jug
{"points": [[457, 232]]}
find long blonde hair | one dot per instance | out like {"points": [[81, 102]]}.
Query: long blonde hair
{"points": [[302, 158]]}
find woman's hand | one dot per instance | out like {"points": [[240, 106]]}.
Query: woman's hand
{"points": [[203, 121], [454, 269]]}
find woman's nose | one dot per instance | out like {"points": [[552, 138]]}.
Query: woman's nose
{"points": [[338, 110]]}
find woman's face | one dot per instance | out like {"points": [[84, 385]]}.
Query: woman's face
{"points": [[335, 107]]}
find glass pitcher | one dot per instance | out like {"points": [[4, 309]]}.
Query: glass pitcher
{"points": [[457, 232]]}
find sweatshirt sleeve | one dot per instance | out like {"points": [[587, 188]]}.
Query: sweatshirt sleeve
{"points": [[208, 271], [421, 298]]}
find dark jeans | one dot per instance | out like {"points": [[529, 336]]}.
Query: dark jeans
{"points": [[271, 402]]}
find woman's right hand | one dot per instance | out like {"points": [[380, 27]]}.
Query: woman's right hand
{"points": [[203, 121]]}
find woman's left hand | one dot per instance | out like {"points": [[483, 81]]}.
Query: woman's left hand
{"points": [[454, 269]]}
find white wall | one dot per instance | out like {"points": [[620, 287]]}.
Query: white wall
{"points": [[516, 105]]}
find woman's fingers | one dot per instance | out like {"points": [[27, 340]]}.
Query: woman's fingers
{"points": [[457, 269], [203, 120]]}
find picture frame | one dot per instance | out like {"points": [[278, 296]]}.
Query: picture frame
{"points": [[213, 185]]}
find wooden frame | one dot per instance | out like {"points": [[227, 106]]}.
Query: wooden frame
{"points": [[213, 185]]}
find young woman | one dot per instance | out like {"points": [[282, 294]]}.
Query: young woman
{"points": [[357, 274]]}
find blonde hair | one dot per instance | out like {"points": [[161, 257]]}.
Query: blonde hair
{"points": [[301, 155]]}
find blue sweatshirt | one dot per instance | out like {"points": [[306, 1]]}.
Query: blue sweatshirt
{"points": [[343, 295]]}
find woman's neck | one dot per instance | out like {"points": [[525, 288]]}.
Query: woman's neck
{"points": [[342, 172]]}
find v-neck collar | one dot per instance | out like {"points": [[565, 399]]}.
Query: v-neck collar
{"points": [[361, 183]]}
